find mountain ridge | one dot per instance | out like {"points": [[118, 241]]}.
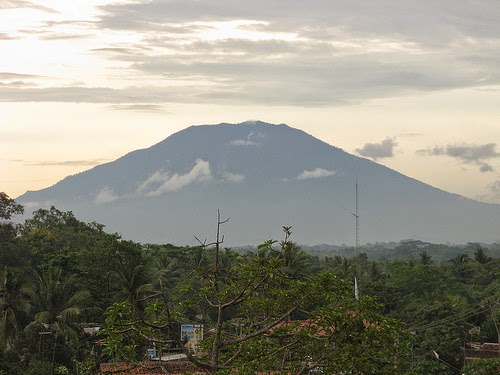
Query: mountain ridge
{"points": [[263, 176]]}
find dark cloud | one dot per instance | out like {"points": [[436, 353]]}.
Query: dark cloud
{"points": [[384, 149], [433, 22], [339, 68], [467, 154], [344, 52], [486, 168]]}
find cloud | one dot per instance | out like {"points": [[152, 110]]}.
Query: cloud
{"points": [[119, 50], [322, 53], [467, 154], [316, 173], [486, 168], [384, 149], [151, 108], [106, 195], [15, 4], [61, 36], [250, 140], [4, 36], [495, 189], [385, 17], [8, 75], [67, 163], [410, 134], [242, 142], [17, 81], [233, 177], [160, 182], [493, 193]]}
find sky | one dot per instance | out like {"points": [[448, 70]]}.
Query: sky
{"points": [[411, 84]]}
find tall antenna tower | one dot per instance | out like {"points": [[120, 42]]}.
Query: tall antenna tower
{"points": [[356, 245], [356, 215]]}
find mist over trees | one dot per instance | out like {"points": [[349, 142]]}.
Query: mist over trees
{"points": [[279, 307]]}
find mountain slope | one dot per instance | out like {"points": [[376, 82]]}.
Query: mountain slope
{"points": [[263, 176]]}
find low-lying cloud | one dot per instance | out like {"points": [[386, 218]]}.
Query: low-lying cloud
{"points": [[467, 154], [106, 195], [315, 173], [233, 177], [161, 182], [495, 190], [252, 139], [384, 149]]}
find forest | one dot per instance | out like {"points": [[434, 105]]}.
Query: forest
{"points": [[74, 297]]}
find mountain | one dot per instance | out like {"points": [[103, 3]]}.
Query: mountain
{"points": [[263, 177]]}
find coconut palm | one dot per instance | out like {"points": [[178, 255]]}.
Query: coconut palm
{"points": [[132, 271], [14, 306], [57, 301]]}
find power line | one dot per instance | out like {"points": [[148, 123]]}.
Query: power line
{"points": [[460, 316]]}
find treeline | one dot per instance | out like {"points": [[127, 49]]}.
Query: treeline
{"points": [[402, 250], [59, 275]]}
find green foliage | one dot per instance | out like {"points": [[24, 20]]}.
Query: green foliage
{"points": [[121, 340], [269, 299], [429, 367], [489, 366], [14, 305], [37, 367], [276, 308], [88, 366], [9, 207]]}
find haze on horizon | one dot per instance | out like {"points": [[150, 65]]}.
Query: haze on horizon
{"points": [[412, 85]]}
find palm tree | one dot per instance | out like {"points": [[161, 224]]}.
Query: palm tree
{"points": [[57, 301], [425, 258], [132, 274], [14, 306], [296, 263], [480, 256]]}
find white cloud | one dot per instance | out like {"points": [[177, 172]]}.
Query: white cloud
{"points": [[106, 195], [157, 178], [242, 142], [200, 172], [233, 177], [35, 205], [316, 173], [250, 140]]}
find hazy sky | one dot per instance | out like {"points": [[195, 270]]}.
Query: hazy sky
{"points": [[412, 84]]}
